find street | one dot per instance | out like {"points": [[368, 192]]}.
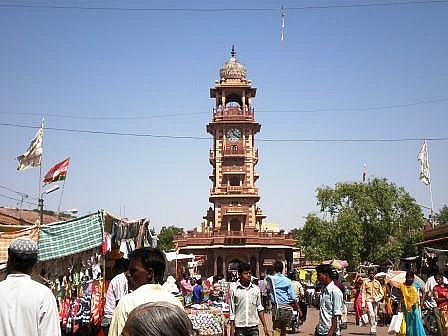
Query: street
{"points": [[313, 316]]}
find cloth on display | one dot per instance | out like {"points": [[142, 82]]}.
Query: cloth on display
{"points": [[65, 238], [7, 237]]}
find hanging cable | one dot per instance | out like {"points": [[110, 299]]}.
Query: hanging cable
{"points": [[181, 137]]}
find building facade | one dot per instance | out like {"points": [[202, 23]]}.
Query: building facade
{"points": [[233, 231]]}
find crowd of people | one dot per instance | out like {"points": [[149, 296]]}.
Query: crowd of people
{"points": [[140, 301]]}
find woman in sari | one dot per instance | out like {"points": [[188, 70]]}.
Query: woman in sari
{"points": [[410, 306], [358, 300], [441, 296]]}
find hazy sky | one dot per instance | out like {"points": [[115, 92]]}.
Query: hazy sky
{"points": [[341, 73]]}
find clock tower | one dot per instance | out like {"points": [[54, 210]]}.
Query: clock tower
{"points": [[233, 230], [234, 155]]}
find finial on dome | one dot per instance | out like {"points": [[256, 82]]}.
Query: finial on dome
{"points": [[233, 52]]}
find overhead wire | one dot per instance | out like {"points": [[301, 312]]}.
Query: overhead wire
{"points": [[222, 10], [16, 199], [17, 192], [182, 137], [262, 111]]}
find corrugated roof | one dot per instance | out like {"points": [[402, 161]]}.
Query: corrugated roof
{"points": [[24, 217]]}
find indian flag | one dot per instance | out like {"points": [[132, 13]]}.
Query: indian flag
{"points": [[58, 172]]}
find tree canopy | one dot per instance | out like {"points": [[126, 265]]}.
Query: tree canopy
{"points": [[373, 221], [166, 237], [442, 216]]}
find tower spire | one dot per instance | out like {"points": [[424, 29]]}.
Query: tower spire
{"points": [[233, 52]]}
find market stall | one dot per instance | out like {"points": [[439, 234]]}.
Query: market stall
{"points": [[209, 319]]}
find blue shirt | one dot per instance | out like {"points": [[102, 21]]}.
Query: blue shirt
{"points": [[284, 294], [330, 305], [197, 294]]}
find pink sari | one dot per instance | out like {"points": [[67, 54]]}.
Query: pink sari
{"points": [[358, 306]]}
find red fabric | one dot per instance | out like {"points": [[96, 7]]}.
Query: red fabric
{"points": [[57, 172], [442, 292]]}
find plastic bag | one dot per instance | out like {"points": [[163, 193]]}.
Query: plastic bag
{"points": [[395, 323], [365, 318]]}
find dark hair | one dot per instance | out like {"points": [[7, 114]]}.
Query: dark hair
{"points": [[151, 258], [438, 275], [278, 266], [159, 319], [292, 274], [243, 267], [324, 269], [410, 274], [334, 274], [21, 262], [121, 265]]}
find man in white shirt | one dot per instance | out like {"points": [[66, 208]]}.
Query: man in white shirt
{"points": [[28, 307], [245, 305], [145, 274], [118, 287]]}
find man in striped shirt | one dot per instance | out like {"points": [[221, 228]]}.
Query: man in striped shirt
{"points": [[245, 305]]}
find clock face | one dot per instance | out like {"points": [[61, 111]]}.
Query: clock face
{"points": [[234, 134]]}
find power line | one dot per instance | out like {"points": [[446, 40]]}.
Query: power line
{"points": [[224, 10], [262, 111], [176, 137], [17, 192], [15, 199]]}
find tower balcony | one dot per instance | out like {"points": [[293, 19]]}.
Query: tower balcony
{"points": [[233, 114], [234, 151], [266, 239], [235, 189], [212, 157]]}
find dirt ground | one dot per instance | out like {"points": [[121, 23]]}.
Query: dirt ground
{"points": [[307, 329]]}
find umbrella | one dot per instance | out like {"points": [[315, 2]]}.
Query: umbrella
{"points": [[396, 278], [339, 264], [380, 275]]}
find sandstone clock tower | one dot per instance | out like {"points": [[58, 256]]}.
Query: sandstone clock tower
{"points": [[233, 224], [234, 156]]}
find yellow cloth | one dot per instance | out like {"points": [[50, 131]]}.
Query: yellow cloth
{"points": [[314, 277], [402, 331], [372, 291], [444, 321], [302, 274], [410, 296]]}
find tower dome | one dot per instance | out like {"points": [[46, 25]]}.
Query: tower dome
{"points": [[233, 69]]}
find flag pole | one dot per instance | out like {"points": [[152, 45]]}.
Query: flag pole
{"points": [[430, 187], [40, 201], [62, 191]]}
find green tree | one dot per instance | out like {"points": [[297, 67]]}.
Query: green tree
{"points": [[372, 221], [297, 234], [442, 216], [166, 237]]}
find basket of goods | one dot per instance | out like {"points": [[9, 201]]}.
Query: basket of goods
{"points": [[207, 324]]}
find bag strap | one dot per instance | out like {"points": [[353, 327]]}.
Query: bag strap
{"points": [[271, 280]]}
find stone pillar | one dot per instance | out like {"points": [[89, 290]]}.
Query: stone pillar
{"points": [[228, 225], [215, 265], [224, 269], [258, 266]]}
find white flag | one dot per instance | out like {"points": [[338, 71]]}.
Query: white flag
{"points": [[33, 156], [424, 164]]}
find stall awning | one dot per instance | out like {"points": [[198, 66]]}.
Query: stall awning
{"points": [[170, 256], [6, 237], [61, 239]]}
